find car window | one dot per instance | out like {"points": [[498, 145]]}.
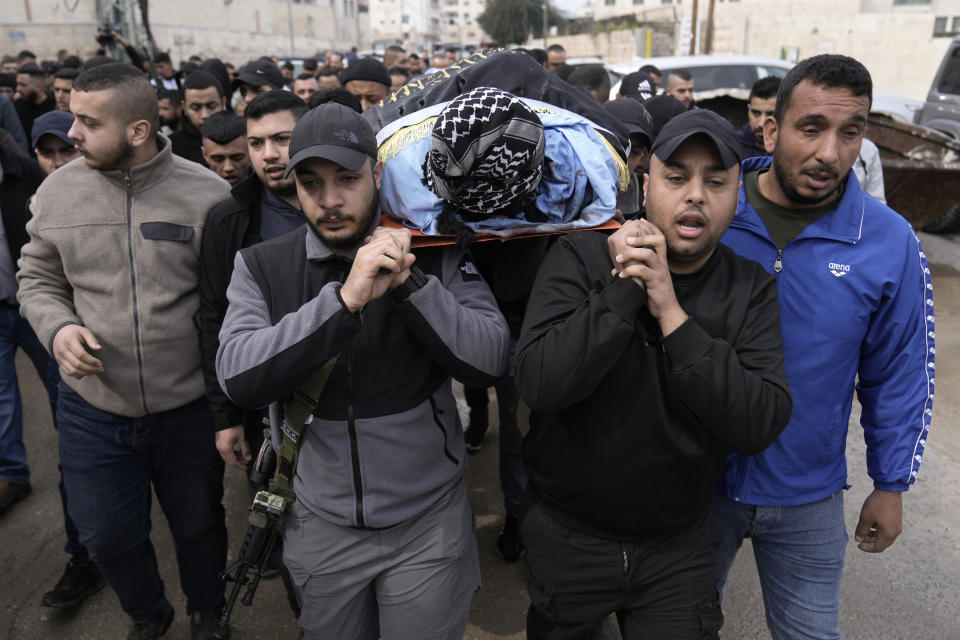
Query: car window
{"points": [[950, 77], [776, 72], [721, 77]]}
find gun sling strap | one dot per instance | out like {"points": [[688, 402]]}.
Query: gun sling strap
{"points": [[294, 424]]}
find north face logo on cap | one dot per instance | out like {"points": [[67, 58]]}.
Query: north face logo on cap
{"points": [[347, 136]]}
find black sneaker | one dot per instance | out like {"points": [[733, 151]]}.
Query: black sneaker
{"points": [[479, 422], [509, 544], [154, 627], [205, 625], [78, 582]]}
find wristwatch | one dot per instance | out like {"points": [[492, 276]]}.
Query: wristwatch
{"points": [[411, 285]]}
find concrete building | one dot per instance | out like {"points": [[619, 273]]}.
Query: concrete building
{"points": [[233, 30], [460, 22], [414, 24], [900, 41]]}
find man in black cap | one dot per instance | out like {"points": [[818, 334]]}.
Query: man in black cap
{"points": [[380, 536], [368, 79], [645, 357], [637, 85], [256, 77], [639, 124]]}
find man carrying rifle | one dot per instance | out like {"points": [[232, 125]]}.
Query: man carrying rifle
{"points": [[380, 541]]}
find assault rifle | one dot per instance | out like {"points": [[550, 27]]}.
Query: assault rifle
{"points": [[261, 539]]}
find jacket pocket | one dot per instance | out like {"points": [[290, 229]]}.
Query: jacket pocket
{"points": [[443, 431], [166, 231]]}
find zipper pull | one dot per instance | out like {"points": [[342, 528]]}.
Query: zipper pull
{"points": [[126, 179], [778, 263], [625, 563]]}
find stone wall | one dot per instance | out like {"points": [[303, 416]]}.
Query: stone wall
{"points": [[230, 29]]}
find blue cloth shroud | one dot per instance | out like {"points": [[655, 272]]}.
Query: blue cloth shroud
{"points": [[581, 177]]}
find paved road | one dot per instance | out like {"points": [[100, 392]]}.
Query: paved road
{"points": [[910, 591]]}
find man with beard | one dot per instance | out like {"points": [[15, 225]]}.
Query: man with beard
{"points": [[62, 84], [645, 357], [120, 323], [80, 578], [33, 100], [760, 106], [262, 207], [380, 536], [202, 97], [368, 79], [225, 146], [680, 86], [170, 108], [857, 306]]}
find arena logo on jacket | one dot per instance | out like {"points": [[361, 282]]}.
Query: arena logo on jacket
{"points": [[838, 269]]}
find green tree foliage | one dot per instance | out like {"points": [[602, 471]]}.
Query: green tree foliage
{"points": [[503, 19]]}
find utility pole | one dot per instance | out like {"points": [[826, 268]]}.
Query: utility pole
{"points": [[525, 18], [708, 45], [546, 4], [290, 22], [693, 28]]}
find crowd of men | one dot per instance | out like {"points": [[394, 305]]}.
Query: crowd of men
{"points": [[183, 248]]}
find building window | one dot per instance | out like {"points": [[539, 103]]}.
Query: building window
{"points": [[609, 3], [940, 27], [897, 2], [637, 1], [955, 25]]}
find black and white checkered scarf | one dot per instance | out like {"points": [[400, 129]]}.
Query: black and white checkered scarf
{"points": [[486, 154]]}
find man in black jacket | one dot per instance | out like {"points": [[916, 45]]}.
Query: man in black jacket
{"points": [[262, 207], [645, 357]]}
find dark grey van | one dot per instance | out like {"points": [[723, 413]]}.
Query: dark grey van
{"points": [[941, 111]]}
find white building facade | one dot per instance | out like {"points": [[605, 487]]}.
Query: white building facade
{"points": [[234, 30], [901, 41]]}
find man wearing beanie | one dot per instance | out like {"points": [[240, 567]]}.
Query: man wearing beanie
{"points": [[645, 357], [368, 79], [380, 536]]}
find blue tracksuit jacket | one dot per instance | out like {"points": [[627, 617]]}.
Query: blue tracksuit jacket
{"points": [[856, 308]]}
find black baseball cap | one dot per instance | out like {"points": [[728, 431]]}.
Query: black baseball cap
{"points": [[366, 69], [633, 116], [696, 122], [259, 72], [57, 123], [332, 132], [637, 85]]}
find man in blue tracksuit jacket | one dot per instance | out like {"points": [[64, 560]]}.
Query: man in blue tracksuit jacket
{"points": [[856, 304]]}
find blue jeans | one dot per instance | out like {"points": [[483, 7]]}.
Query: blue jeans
{"points": [[16, 332], [799, 553], [109, 463]]}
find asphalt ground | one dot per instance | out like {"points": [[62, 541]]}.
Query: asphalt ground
{"points": [[909, 591]]}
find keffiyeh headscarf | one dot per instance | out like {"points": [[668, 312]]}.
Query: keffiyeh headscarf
{"points": [[486, 154]]}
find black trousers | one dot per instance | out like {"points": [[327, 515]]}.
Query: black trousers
{"points": [[664, 589]]}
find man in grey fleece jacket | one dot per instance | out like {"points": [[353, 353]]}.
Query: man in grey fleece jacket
{"points": [[381, 538], [109, 281]]}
